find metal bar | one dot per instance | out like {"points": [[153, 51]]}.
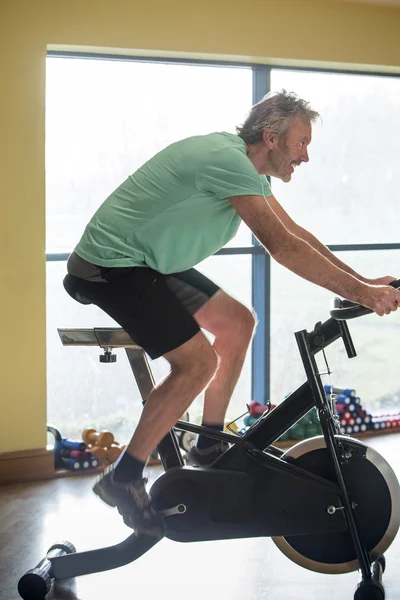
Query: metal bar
{"points": [[316, 387], [141, 371], [261, 82], [222, 63], [323, 335], [347, 340], [63, 256], [270, 427], [103, 559], [358, 247], [261, 284], [317, 390], [149, 59], [57, 256], [102, 337], [258, 249], [168, 448], [334, 71], [208, 432], [241, 250], [260, 350]]}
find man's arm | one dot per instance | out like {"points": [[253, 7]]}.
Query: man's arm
{"points": [[300, 257], [319, 246], [308, 237]]}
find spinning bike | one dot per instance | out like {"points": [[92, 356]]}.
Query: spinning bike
{"points": [[330, 503]]}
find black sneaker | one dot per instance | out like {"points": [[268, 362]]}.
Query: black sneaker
{"points": [[204, 458], [132, 501]]}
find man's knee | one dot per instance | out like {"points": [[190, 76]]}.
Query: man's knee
{"points": [[239, 325], [196, 359], [247, 321], [226, 318]]}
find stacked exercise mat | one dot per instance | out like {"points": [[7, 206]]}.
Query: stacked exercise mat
{"points": [[354, 418]]}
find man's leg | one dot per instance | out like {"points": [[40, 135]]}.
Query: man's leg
{"points": [[141, 302], [233, 326], [193, 366]]}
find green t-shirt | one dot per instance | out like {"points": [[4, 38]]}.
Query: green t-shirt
{"points": [[174, 211]]}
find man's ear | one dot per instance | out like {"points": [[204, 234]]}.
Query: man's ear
{"points": [[270, 139]]}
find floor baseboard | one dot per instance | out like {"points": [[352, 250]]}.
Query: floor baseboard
{"points": [[26, 465]]}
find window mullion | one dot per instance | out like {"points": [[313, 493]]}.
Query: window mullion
{"points": [[261, 284]]}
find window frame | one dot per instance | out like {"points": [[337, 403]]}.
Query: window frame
{"points": [[261, 260]]}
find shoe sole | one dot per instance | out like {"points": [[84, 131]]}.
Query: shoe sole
{"points": [[100, 492], [155, 531], [198, 463]]}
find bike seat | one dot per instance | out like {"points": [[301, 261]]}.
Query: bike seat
{"points": [[71, 287]]}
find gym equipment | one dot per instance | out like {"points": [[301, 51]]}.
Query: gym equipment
{"points": [[185, 439], [113, 452], [103, 439], [256, 409], [99, 453], [71, 455], [330, 503], [102, 445]]}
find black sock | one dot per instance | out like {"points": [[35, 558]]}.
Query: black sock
{"points": [[205, 442], [128, 468]]}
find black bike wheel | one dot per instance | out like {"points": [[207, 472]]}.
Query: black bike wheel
{"points": [[374, 491]]}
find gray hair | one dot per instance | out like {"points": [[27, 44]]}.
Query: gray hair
{"points": [[274, 112]]}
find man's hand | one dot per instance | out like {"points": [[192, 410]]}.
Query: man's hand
{"points": [[380, 280], [382, 299]]}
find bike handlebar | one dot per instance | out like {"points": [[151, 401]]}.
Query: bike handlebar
{"points": [[341, 310]]}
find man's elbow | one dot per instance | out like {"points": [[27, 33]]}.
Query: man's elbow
{"points": [[279, 254], [280, 247]]}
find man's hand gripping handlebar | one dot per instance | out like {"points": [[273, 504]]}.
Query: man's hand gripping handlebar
{"points": [[381, 299]]}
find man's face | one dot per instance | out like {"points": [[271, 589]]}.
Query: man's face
{"points": [[287, 154]]}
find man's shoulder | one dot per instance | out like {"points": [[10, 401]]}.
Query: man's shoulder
{"points": [[203, 151], [223, 148], [218, 140]]}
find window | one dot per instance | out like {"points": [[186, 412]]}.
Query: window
{"points": [[346, 195], [347, 191], [104, 118]]}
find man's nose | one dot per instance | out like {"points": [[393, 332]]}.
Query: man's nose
{"points": [[304, 156]]}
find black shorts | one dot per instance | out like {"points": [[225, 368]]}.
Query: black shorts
{"points": [[155, 309]]}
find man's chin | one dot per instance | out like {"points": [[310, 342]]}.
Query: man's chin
{"points": [[286, 178]]}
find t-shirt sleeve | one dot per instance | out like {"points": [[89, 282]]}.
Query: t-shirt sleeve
{"points": [[230, 173]]}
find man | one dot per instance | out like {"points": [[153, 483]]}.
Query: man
{"points": [[135, 262]]}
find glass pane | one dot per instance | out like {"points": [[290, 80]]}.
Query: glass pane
{"points": [[105, 118], [353, 157], [233, 275], [297, 304], [83, 393]]}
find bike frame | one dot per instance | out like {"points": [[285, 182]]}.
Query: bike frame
{"points": [[269, 428]]}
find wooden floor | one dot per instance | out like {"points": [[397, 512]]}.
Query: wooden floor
{"points": [[34, 516]]}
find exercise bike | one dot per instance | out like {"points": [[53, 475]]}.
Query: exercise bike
{"points": [[330, 503]]}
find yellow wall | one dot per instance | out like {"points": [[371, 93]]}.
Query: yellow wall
{"points": [[324, 31]]}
